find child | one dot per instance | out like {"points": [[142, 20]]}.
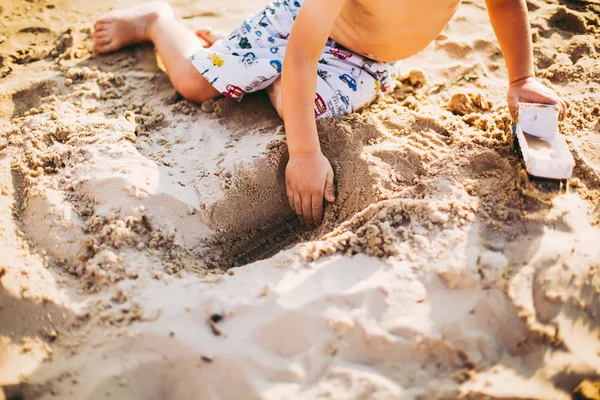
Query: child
{"points": [[334, 56]]}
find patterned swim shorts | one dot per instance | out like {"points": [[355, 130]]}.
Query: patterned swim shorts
{"points": [[250, 59]]}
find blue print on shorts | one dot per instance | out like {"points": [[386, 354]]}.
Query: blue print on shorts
{"points": [[349, 81]]}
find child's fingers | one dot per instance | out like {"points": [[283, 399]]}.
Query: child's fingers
{"points": [[317, 208], [513, 106], [565, 109], [514, 113], [559, 104], [329, 188], [290, 196], [307, 210], [298, 207]]}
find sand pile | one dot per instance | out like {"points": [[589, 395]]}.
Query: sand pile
{"points": [[131, 222]]}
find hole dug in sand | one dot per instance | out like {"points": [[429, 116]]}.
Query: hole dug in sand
{"points": [[254, 220], [161, 184]]}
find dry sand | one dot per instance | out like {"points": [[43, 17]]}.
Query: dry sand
{"points": [[131, 221]]}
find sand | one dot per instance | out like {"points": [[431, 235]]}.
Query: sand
{"points": [[147, 250]]}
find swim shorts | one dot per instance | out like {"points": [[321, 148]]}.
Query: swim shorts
{"points": [[250, 59]]}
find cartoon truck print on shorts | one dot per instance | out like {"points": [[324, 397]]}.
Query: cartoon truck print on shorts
{"points": [[339, 102], [248, 60], [320, 106], [340, 53], [380, 76], [367, 63], [350, 81], [255, 83], [323, 74], [234, 92]]}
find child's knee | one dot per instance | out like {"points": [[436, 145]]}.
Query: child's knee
{"points": [[190, 84]]}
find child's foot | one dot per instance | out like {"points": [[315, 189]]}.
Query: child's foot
{"points": [[208, 36], [122, 28]]}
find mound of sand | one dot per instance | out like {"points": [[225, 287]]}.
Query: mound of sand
{"points": [[148, 251]]}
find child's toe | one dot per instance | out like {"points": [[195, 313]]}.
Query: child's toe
{"points": [[103, 25], [100, 34], [104, 44], [208, 36], [103, 40], [105, 47], [107, 19]]}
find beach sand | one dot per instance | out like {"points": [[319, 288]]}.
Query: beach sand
{"points": [[147, 250]]}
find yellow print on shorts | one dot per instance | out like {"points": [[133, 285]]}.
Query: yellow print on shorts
{"points": [[216, 60]]}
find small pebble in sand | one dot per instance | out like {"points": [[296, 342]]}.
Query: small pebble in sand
{"points": [[417, 78], [421, 240], [207, 107], [575, 183], [554, 296], [439, 217], [265, 291]]}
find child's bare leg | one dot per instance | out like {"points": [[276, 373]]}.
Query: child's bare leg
{"points": [[154, 22], [274, 92]]}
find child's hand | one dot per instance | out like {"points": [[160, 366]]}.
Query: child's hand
{"points": [[309, 177], [530, 90]]}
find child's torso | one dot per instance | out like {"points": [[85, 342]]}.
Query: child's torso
{"points": [[390, 30]]}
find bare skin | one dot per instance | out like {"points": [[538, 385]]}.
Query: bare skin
{"points": [[154, 22], [391, 30], [385, 30], [121, 28]]}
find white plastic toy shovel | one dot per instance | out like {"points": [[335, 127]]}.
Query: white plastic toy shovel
{"points": [[544, 149]]}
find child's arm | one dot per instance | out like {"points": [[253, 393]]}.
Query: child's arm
{"points": [[511, 25], [309, 175]]}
